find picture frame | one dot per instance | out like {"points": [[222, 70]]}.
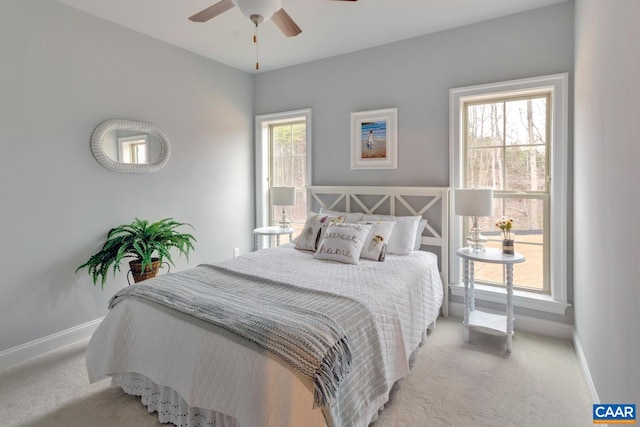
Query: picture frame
{"points": [[374, 139]]}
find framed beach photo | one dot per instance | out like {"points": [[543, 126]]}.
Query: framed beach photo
{"points": [[374, 139]]}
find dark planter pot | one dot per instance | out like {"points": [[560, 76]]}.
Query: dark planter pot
{"points": [[149, 272]]}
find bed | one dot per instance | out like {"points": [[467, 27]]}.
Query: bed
{"points": [[372, 315]]}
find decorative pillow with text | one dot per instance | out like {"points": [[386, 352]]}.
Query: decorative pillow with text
{"points": [[343, 242]]}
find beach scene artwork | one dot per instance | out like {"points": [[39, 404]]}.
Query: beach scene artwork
{"points": [[373, 137]]}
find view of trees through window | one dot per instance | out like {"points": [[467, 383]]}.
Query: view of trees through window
{"points": [[288, 168], [506, 146]]}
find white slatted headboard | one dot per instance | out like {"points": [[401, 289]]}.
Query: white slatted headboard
{"points": [[431, 203]]}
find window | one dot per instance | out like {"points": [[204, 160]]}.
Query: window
{"points": [[133, 149], [287, 168], [506, 149], [512, 137], [283, 158]]}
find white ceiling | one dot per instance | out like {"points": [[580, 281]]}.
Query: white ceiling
{"points": [[328, 27]]}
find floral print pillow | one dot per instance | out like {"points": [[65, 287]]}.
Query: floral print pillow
{"points": [[375, 245], [313, 231]]}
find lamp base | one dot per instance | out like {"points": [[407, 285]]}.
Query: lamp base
{"points": [[284, 222], [475, 240], [476, 245]]}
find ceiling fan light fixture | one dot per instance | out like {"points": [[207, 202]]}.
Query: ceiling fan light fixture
{"points": [[257, 11], [264, 8], [256, 19]]}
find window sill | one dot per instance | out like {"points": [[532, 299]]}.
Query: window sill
{"points": [[522, 299]]}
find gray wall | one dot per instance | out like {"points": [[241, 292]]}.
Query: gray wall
{"points": [[63, 72], [415, 76], [606, 197]]}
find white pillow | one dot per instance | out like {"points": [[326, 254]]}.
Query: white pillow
{"points": [[349, 217], [421, 226], [403, 238], [343, 242], [375, 246]]}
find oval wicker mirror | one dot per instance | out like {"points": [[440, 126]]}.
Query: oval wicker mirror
{"points": [[130, 147]]}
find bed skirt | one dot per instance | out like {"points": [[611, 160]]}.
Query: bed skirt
{"points": [[171, 407]]}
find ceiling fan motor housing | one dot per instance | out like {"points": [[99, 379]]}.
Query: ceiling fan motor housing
{"points": [[264, 8]]}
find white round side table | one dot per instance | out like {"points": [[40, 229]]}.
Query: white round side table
{"points": [[502, 324], [270, 232]]}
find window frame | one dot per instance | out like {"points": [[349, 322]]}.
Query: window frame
{"points": [[557, 86], [126, 143], [263, 124]]}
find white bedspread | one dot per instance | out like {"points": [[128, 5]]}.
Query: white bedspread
{"points": [[222, 373]]}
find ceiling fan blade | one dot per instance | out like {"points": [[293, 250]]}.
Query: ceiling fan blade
{"points": [[285, 23], [212, 11]]}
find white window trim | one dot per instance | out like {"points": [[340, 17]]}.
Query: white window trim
{"points": [[262, 157], [558, 85]]}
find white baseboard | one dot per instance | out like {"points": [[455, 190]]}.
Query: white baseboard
{"points": [[35, 348], [585, 368], [526, 323]]}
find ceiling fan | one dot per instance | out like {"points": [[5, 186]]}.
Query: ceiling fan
{"points": [[257, 11]]}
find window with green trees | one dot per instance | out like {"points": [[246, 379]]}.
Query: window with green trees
{"points": [[506, 148], [287, 167]]}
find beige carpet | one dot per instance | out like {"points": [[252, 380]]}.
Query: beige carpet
{"points": [[451, 384]]}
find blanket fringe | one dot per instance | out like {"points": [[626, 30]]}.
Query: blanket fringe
{"points": [[335, 366]]}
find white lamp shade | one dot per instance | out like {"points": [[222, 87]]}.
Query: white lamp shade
{"points": [[283, 196], [474, 202]]}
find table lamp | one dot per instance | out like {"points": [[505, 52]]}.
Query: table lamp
{"points": [[283, 196], [474, 203]]}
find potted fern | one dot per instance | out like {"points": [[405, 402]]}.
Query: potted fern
{"points": [[148, 243]]}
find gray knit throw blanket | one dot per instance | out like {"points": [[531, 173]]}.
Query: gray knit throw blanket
{"points": [[310, 342]]}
